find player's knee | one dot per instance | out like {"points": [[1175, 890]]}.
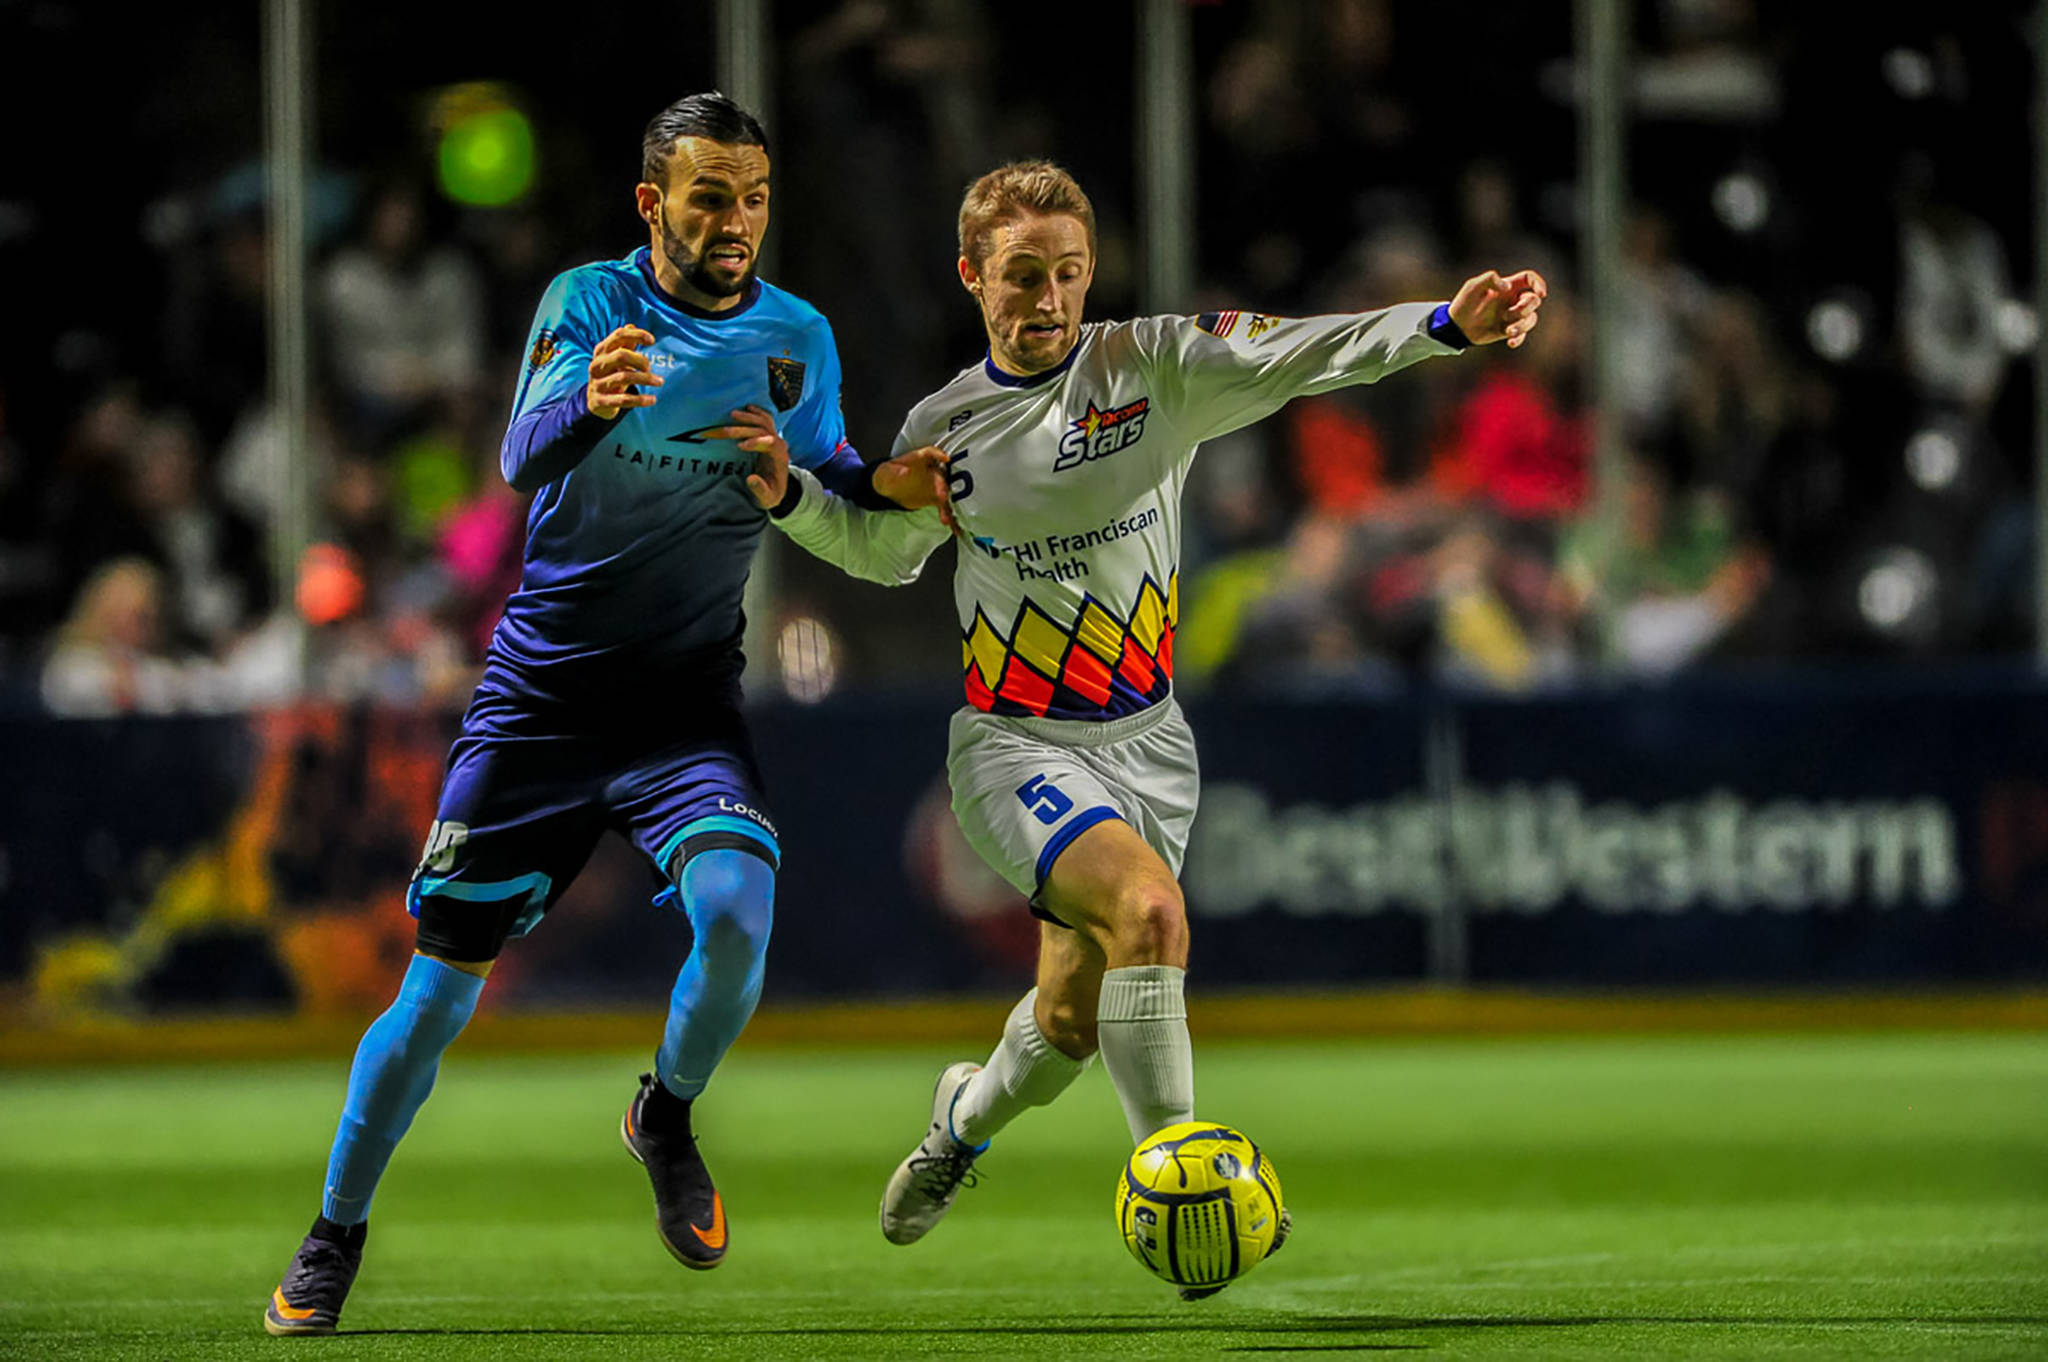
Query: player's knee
{"points": [[427, 1031], [1151, 925], [730, 898]]}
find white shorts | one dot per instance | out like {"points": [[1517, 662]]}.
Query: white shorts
{"points": [[1024, 789]]}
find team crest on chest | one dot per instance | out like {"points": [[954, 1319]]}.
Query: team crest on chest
{"points": [[785, 382], [1099, 434]]}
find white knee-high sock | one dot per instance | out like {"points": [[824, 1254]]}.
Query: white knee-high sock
{"points": [[1142, 1026], [1026, 1070]]}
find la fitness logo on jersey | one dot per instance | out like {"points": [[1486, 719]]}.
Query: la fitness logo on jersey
{"points": [[1099, 434]]}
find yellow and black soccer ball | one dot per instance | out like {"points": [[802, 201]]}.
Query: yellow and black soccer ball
{"points": [[1198, 1204]]}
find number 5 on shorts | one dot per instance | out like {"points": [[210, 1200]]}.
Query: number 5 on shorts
{"points": [[1046, 801]]}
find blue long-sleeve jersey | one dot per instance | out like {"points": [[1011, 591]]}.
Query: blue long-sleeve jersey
{"points": [[642, 530]]}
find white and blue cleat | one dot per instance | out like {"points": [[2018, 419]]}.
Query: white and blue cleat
{"points": [[924, 1185]]}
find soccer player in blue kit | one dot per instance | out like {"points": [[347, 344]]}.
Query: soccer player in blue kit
{"points": [[610, 694]]}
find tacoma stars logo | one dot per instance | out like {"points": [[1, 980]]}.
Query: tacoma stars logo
{"points": [[1099, 434]]}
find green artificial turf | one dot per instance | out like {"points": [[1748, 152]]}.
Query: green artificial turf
{"points": [[1813, 1196]]}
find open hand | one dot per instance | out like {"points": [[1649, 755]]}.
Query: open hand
{"points": [[1491, 307], [617, 368]]}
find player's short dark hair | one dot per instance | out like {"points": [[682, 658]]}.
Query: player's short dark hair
{"points": [[711, 115]]}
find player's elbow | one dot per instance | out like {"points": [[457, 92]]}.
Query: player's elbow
{"points": [[885, 573], [517, 470]]}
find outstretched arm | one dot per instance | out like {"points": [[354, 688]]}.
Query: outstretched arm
{"points": [[846, 474], [1224, 370], [879, 546]]}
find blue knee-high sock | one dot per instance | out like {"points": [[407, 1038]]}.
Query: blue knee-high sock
{"points": [[392, 1075], [730, 897]]}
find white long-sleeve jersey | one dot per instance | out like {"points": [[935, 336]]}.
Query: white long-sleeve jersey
{"points": [[1067, 487]]}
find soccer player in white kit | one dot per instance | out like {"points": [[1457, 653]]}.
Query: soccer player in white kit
{"points": [[1059, 462]]}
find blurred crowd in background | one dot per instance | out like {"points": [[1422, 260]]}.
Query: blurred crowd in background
{"points": [[1822, 325]]}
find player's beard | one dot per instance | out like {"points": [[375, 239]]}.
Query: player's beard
{"points": [[696, 270]]}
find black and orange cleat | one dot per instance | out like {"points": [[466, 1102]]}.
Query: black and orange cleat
{"points": [[309, 1299], [687, 1208]]}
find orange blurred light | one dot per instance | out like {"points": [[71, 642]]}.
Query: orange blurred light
{"points": [[330, 587]]}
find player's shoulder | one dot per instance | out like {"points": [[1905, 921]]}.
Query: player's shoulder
{"points": [[793, 322], [595, 282], [949, 406], [786, 307], [1151, 332], [1131, 341], [608, 275]]}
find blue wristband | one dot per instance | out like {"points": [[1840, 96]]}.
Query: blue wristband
{"points": [[1446, 331]]}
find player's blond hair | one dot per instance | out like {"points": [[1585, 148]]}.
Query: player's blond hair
{"points": [[1008, 193]]}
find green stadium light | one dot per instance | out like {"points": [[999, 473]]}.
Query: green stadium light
{"points": [[487, 158]]}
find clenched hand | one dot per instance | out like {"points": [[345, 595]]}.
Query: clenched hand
{"points": [[1490, 307]]}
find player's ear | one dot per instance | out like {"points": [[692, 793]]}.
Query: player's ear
{"points": [[970, 278], [647, 200]]}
